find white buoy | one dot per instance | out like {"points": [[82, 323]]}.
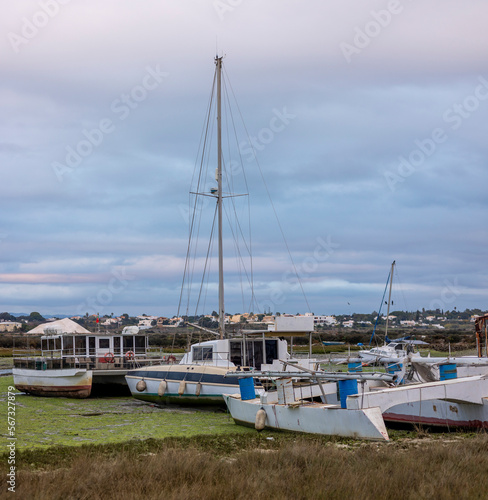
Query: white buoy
{"points": [[198, 389], [141, 386], [181, 388], [162, 388], [260, 422]]}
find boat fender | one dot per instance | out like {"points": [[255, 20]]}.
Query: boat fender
{"points": [[260, 422], [198, 389], [141, 385], [162, 388], [181, 388]]}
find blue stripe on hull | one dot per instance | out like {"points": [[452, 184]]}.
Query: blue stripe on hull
{"points": [[185, 399]]}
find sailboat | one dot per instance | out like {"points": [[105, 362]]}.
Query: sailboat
{"points": [[394, 351], [200, 377]]}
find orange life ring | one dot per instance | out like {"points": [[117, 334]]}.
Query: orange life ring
{"points": [[109, 357], [171, 359], [129, 355]]}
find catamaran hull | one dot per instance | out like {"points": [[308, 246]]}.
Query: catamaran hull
{"points": [[184, 384], [459, 402], [69, 382], [440, 414], [330, 420]]}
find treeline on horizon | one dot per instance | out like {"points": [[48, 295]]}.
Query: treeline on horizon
{"points": [[417, 315]]}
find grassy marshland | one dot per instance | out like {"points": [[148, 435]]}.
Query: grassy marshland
{"points": [[258, 466], [120, 448], [47, 422]]}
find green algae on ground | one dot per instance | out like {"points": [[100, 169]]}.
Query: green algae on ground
{"points": [[44, 422]]}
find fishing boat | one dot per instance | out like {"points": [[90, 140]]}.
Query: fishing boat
{"points": [[73, 361], [200, 376]]}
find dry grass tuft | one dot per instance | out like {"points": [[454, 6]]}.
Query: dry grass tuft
{"points": [[291, 468]]}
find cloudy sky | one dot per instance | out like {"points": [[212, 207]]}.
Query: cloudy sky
{"points": [[368, 120]]}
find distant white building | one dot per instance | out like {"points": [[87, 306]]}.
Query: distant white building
{"points": [[348, 324], [365, 323], [407, 323], [9, 326], [110, 321], [325, 320]]}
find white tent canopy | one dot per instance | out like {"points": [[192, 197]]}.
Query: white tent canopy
{"points": [[65, 325]]}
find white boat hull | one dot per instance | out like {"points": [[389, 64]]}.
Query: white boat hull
{"points": [[68, 382], [454, 403], [314, 418], [202, 384], [441, 414]]}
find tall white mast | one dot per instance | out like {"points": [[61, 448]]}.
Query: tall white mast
{"points": [[218, 62]]}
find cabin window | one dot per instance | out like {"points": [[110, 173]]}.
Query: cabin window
{"points": [[91, 346], [44, 345], [271, 350], [128, 344], [117, 345], [202, 353], [57, 343], [140, 345], [80, 345], [254, 353], [104, 343], [68, 345], [236, 352]]}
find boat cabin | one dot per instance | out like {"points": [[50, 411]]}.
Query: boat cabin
{"points": [[98, 346], [92, 351], [257, 353]]}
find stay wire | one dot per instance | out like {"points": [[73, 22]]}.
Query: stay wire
{"points": [[272, 204]]}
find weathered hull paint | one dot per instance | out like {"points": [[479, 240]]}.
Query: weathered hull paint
{"points": [[312, 418], [440, 413], [461, 402], [70, 382]]}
